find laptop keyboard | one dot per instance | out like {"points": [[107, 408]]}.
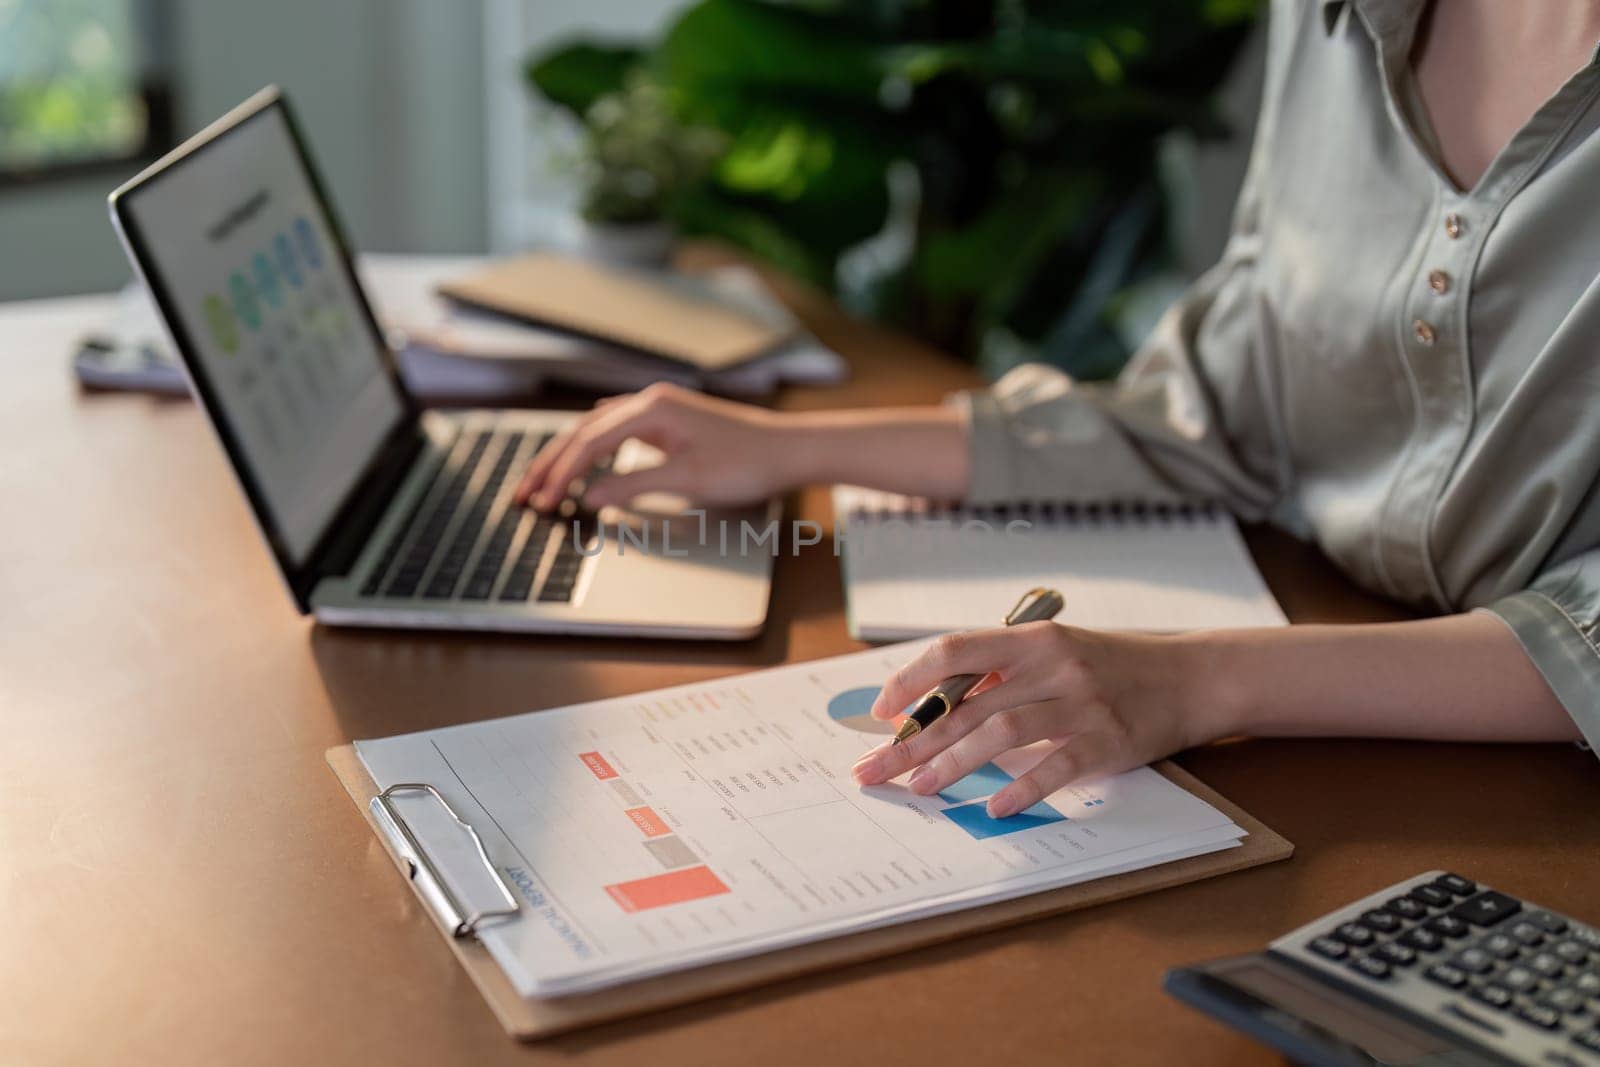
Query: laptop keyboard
{"points": [[460, 540]]}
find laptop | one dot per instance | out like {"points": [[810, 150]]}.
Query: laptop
{"points": [[377, 512]]}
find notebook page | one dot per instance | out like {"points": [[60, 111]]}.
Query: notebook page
{"points": [[667, 830], [912, 571]]}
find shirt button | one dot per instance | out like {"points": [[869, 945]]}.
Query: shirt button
{"points": [[1439, 281], [1452, 225], [1424, 332]]}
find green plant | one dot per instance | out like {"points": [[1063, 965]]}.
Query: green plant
{"points": [[638, 159], [1024, 132]]}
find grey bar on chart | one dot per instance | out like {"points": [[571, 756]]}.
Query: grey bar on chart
{"points": [[671, 851]]}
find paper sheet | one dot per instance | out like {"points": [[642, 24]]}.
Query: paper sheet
{"points": [[662, 831]]}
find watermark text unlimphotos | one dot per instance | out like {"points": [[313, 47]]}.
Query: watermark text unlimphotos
{"points": [[696, 530]]}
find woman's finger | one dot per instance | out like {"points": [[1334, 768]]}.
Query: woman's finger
{"points": [[974, 652], [669, 477], [1077, 757], [533, 478], [539, 466], [601, 437], [890, 761], [1002, 731]]}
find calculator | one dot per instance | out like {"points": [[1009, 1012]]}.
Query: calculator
{"points": [[1437, 971]]}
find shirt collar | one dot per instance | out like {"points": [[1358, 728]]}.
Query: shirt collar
{"points": [[1385, 18], [1388, 16]]}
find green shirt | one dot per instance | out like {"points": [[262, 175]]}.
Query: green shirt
{"points": [[1403, 371]]}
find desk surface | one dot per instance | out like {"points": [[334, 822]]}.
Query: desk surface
{"points": [[184, 882]]}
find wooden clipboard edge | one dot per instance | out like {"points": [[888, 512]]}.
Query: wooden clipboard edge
{"points": [[529, 1020]]}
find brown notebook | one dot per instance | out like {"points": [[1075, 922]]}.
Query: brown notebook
{"points": [[650, 313], [529, 1019]]}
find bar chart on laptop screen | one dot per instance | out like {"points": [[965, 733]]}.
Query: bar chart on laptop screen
{"points": [[287, 333]]}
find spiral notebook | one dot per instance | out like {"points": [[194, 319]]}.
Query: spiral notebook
{"points": [[914, 568]]}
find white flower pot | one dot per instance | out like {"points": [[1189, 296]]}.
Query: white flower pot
{"points": [[640, 244]]}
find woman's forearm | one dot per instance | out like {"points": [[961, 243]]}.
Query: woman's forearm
{"points": [[1460, 677], [916, 451]]}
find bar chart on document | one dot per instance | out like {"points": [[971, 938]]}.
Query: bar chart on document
{"points": [[651, 833]]}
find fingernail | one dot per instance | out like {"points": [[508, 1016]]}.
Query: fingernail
{"points": [[869, 768], [921, 780], [1001, 806]]}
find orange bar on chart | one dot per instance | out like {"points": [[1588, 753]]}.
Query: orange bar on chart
{"points": [[674, 887], [597, 763], [647, 820]]}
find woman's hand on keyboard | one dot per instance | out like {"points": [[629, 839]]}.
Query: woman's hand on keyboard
{"points": [[720, 452], [717, 451], [1101, 702]]}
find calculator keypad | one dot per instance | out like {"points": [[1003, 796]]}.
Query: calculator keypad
{"points": [[1483, 953]]}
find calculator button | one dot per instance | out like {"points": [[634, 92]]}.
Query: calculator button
{"points": [[1351, 934], [1370, 966], [1527, 933], [1446, 975], [1500, 945], [1328, 947], [1487, 908], [1406, 908], [1421, 938], [1448, 925], [1572, 952], [1589, 1039], [1493, 995], [1519, 979], [1381, 921], [1396, 954], [1538, 1015], [1431, 895], [1547, 964], [1454, 883], [1588, 983], [1474, 959], [1549, 922]]}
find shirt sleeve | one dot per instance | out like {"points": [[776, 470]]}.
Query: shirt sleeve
{"points": [[1194, 415], [1557, 621]]}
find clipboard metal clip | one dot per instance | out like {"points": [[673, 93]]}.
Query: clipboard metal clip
{"points": [[431, 883]]}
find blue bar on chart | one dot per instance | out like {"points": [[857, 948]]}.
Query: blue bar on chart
{"points": [[974, 819], [982, 783]]}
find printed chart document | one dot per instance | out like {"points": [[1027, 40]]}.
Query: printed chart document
{"points": [[663, 831]]}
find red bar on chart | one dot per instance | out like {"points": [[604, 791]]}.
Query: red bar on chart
{"points": [[647, 820], [597, 763], [674, 887]]}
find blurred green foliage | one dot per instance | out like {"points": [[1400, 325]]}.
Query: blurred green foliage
{"points": [[68, 83], [1030, 127]]}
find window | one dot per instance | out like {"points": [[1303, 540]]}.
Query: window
{"points": [[81, 85]]}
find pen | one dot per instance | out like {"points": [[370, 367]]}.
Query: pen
{"points": [[1035, 605]]}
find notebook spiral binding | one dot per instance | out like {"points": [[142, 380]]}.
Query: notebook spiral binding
{"points": [[433, 887], [1047, 513]]}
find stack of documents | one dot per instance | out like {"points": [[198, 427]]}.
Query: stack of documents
{"points": [[449, 349], [450, 353], [661, 832]]}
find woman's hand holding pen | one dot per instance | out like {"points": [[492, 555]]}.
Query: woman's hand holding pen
{"points": [[1106, 702]]}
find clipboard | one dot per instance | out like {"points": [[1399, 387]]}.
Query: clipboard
{"points": [[530, 1019]]}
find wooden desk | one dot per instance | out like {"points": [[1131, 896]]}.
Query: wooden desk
{"points": [[182, 880]]}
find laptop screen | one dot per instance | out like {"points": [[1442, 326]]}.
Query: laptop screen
{"points": [[236, 236]]}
